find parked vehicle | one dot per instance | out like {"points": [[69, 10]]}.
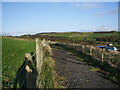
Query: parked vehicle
{"points": [[107, 46]]}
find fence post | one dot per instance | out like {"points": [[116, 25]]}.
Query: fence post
{"points": [[37, 54], [28, 66], [90, 50], [82, 48], [39, 59], [102, 57]]}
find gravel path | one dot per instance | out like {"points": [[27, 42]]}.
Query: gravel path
{"points": [[77, 73]]}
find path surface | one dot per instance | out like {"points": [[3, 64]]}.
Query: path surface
{"points": [[77, 73]]}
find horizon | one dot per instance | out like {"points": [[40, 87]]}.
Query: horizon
{"points": [[20, 34], [38, 17]]}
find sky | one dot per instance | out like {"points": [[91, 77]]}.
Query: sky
{"points": [[38, 17]]}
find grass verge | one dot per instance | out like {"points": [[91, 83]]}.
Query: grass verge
{"points": [[49, 78]]}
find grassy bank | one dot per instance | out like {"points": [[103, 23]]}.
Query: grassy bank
{"points": [[48, 77], [47, 74], [13, 52]]}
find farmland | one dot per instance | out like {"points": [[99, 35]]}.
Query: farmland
{"points": [[13, 52], [15, 48], [82, 35], [90, 38]]}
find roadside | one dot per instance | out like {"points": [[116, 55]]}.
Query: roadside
{"points": [[77, 73]]}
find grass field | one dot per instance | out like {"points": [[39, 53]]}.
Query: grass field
{"points": [[80, 36], [84, 37], [13, 52]]}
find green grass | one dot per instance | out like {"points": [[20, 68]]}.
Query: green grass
{"points": [[94, 36], [81, 36], [62, 34], [91, 36], [13, 52], [88, 36], [49, 78], [47, 75], [94, 68]]}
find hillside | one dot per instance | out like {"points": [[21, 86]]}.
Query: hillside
{"points": [[91, 38]]}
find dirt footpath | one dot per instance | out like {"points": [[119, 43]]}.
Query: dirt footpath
{"points": [[77, 73]]}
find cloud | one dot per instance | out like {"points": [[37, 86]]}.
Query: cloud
{"points": [[104, 28], [111, 12], [14, 34], [99, 28], [86, 5]]}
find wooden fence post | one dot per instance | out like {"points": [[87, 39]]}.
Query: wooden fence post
{"points": [[90, 50], [38, 55], [39, 60], [102, 57], [82, 48], [29, 75]]}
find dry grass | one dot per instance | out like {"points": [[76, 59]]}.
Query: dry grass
{"points": [[49, 78], [46, 47]]}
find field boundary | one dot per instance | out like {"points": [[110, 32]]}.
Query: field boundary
{"points": [[18, 38], [30, 74]]}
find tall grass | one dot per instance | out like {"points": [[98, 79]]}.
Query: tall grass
{"points": [[48, 75]]}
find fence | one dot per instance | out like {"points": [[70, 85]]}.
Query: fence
{"points": [[25, 74], [103, 55], [29, 74], [18, 38]]}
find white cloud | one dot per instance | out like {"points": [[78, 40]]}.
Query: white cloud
{"points": [[104, 28], [99, 28], [87, 5], [111, 12], [14, 34]]}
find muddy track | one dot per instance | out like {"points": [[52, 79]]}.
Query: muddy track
{"points": [[77, 74]]}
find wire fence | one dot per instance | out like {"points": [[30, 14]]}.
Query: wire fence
{"points": [[28, 75], [112, 57], [28, 66], [18, 74], [103, 55]]}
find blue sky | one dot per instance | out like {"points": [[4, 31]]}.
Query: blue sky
{"points": [[36, 17]]}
